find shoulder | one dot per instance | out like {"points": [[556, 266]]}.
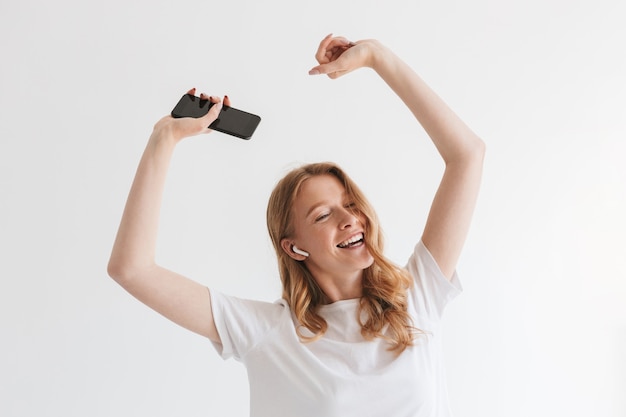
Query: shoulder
{"points": [[236, 307], [422, 264], [431, 290], [243, 323]]}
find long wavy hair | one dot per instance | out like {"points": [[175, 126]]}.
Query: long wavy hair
{"points": [[383, 303]]}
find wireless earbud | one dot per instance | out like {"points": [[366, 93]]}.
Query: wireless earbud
{"points": [[299, 251]]}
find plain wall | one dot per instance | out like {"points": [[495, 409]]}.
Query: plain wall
{"points": [[541, 327]]}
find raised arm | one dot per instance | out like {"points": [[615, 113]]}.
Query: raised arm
{"points": [[461, 149], [132, 263]]}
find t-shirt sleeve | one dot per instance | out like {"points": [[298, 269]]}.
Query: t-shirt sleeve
{"points": [[432, 290], [241, 323]]}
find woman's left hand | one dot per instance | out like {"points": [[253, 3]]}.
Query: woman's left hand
{"points": [[338, 56]]}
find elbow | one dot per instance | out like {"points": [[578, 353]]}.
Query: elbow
{"points": [[120, 271], [481, 151], [116, 270], [470, 153], [126, 272], [474, 152], [478, 149]]}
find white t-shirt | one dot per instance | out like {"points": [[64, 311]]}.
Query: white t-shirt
{"points": [[341, 374]]}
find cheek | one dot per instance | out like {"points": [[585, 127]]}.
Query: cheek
{"points": [[316, 238], [363, 220], [305, 235]]}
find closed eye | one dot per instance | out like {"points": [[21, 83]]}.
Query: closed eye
{"points": [[322, 217]]}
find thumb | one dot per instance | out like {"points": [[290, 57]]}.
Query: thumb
{"points": [[213, 113], [323, 69], [333, 70], [216, 108]]}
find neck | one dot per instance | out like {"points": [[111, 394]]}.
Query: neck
{"points": [[340, 288]]}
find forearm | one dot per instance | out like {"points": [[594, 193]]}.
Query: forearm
{"points": [[452, 137], [135, 245]]}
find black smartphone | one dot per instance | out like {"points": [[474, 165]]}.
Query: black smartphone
{"points": [[231, 121]]}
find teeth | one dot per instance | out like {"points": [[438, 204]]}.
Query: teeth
{"points": [[351, 240]]}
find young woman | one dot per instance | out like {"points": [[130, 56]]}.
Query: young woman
{"points": [[354, 334]]}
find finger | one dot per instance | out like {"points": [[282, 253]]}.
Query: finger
{"points": [[332, 48], [320, 55], [336, 53], [226, 101], [214, 112], [192, 91], [329, 43], [339, 42]]}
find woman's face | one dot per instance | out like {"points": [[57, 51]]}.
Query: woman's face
{"points": [[329, 228]]}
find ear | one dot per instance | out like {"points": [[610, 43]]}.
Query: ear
{"points": [[287, 245]]}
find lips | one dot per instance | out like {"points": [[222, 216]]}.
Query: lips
{"points": [[352, 241]]}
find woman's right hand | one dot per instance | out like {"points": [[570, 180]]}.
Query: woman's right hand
{"points": [[180, 128], [133, 258]]}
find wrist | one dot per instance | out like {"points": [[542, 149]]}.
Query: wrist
{"points": [[379, 55], [163, 135]]}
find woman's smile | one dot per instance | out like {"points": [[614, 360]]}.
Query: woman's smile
{"points": [[355, 241]]}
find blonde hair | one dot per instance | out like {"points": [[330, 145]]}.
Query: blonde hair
{"points": [[383, 302]]}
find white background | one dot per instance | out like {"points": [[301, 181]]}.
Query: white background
{"points": [[541, 327]]}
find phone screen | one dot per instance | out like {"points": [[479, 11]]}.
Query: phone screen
{"points": [[231, 121]]}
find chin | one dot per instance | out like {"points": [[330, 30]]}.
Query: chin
{"points": [[369, 262]]}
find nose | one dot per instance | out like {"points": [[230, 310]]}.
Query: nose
{"points": [[348, 219]]}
